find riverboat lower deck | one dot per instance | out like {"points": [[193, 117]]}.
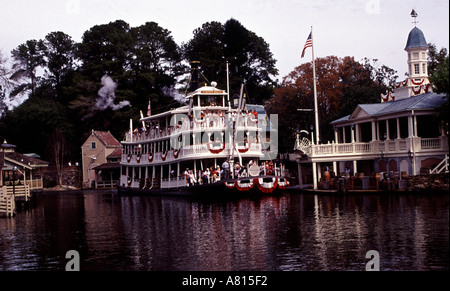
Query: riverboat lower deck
{"points": [[252, 186]]}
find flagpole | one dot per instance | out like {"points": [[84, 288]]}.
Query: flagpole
{"points": [[316, 110]]}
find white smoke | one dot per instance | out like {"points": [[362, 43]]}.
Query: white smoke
{"points": [[107, 95]]}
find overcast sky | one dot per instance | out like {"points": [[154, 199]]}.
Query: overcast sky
{"points": [[360, 28]]}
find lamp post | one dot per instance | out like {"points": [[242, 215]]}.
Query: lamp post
{"points": [[411, 156]]}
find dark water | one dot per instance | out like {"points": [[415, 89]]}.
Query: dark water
{"points": [[288, 232]]}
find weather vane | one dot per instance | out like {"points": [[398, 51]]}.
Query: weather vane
{"points": [[414, 15]]}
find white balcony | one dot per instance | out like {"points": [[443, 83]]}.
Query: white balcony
{"points": [[375, 148]]}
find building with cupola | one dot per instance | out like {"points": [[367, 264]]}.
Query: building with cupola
{"points": [[399, 136], [417, 81]]}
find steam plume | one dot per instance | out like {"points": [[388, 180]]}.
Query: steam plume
{"points": [[107, 95]]}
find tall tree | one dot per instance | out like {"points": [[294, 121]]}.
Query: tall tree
{"points": [[441, 84], [104, 50], [342, 83], [249, 56], [60, 58], [5, 84], [28, 57], [154, 63], [435, 58]]}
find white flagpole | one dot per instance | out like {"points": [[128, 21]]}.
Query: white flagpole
{"points": [[316, 110]]}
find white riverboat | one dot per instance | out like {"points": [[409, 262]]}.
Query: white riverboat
{"points": [[209, 146]]}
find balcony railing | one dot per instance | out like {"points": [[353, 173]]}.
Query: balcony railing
{"points": [[375, 147], [209, 123], [193, 151]]}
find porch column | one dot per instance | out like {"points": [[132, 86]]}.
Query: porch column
{"points": [[153, 174], [387, 129], [410, 126], [343, 134], [352, 133], [314, 172], [300, 176], [319, 171], [378, 130], [357, 129], [336, 139], [335, 168], [398, 128], [355, 167], [374, 131], [170, 170], [415, 126]]}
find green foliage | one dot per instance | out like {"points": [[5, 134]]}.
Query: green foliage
{"points": [[440, 80], [248, 55]]}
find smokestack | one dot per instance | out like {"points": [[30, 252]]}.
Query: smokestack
{"points": [[194, 76]]}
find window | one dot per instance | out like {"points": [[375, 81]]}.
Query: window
{"points": [[93, 145], [415, 56], [416, 69], [424, 69]]}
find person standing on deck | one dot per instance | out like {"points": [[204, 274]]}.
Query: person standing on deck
{"points": [[226, 170]]}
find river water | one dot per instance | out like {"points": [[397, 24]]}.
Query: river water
{"points": [[291, 232]]}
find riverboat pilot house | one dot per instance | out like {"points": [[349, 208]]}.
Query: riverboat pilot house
{"points": [[399, 135]]}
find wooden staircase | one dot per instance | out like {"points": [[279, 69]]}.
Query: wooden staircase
{"points": [[7, 203], [442, 167]]}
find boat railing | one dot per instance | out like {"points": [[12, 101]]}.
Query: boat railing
{"points": [[208, 123]]}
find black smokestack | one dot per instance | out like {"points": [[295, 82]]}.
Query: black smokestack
{"points": [[194, 76]]}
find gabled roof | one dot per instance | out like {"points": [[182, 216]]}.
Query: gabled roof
{"points": [[24, 160], [106, 138], [427, 101]]}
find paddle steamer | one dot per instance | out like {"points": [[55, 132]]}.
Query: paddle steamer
{"points": [[210, 146]]}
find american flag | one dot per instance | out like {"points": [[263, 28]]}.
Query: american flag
{"points": [[307, 44]]}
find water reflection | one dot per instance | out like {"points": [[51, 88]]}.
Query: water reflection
{"points": [[288, 232]]}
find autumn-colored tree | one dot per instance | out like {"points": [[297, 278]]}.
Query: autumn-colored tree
{"points": [[342, 83]]}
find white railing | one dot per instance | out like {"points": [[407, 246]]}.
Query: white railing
{"points": [[35, 184], [430, 143], [187, 152], [174, 182], [441, 167], [376, 147], [212, 122], [7, 203], [106, 184], [18, 191]]}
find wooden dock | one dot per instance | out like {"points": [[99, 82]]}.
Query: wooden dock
{"points": [[9, 195]]}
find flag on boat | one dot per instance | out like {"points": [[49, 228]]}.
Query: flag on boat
{"points": [[149, 110], [307, 44]]}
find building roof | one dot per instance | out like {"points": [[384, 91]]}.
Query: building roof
{"points": [[6, 145], [427, 101], [106, 138], [416, 39], [24, 160], [117, 153], [107, 166]]}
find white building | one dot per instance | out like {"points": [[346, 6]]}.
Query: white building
{"points": [[398, 135]]}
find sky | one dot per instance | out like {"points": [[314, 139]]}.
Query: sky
{"points": [[376, 29]]}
